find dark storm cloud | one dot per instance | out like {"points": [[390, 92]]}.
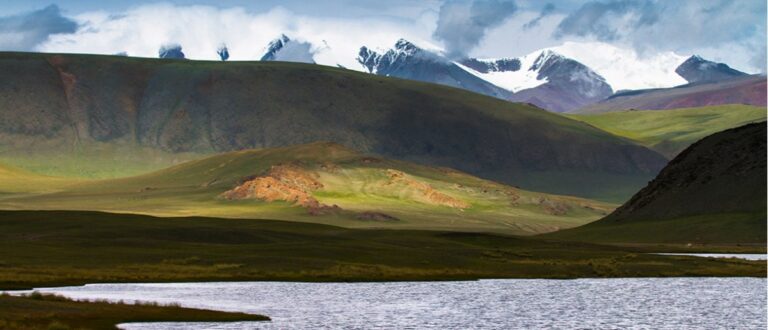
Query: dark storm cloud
{"points": [[546, 11], [462, 24], [605, 20], [25, 31]]}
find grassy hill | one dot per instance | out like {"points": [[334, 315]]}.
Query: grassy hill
{"points": [[671, 131], [70, 248], [112, 116], [749, 90], [324, 183], [16, 181], [713, 192]]}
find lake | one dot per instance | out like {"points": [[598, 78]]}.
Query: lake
{"points": [[722, 255], [642, 303]]}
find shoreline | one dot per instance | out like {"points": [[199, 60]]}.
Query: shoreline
{"points": [[52, 311]]}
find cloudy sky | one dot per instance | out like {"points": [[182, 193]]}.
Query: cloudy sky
{"points": [[646, 30]]}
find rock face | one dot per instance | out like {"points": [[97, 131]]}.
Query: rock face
{"points": [[697, 70], [722, 173], [409, 61], [569, 84], [487, 66], [171, 51]]}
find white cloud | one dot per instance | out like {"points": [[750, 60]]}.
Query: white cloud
{"points": [[623, 68], [200, 30]]}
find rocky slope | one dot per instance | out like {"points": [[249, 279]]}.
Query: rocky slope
{"points": [[749, 90], [714, 191], [696, 70]]}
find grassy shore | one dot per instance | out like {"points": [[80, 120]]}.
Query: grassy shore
{"points": [[52, 312], [43, 249]]}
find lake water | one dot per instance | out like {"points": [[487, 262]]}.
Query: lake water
{"points": [[722, 255], [643, 303]]}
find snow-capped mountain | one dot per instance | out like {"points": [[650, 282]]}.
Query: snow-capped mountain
{"points": [[567, 84], [408, 61], [696, 69], [171, 51], [287, 50], [547, 78]]}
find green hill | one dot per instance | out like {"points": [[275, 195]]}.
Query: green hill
{"points": [[15, 181], [324, 183], [713, 192], [111, 116], [671, 131]]}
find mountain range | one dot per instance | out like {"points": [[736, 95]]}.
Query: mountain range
{"points": [[544, 78], [79, 114]]}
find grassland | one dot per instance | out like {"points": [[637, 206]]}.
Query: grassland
{"points": [[51, 312], [355, 182], [671, 131], [726, 231], [39, 249]]}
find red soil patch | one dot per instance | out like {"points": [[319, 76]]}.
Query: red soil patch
{"points": [[553, 207], [432, 195], [287, 183]]}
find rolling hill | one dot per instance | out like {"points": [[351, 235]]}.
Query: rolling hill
{"points": [[749, 90], [713, 192], [109, 116], [671, 131], [16, 181], [323, 183]]}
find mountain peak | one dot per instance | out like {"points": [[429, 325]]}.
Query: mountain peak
{"points": [[223, 52], [285, 49], [171, 51], [697, 69]]}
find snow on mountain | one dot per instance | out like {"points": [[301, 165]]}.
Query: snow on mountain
{"points": [[409, 61], [511, 74], [624, 69], [287, 50], [171, 51]]}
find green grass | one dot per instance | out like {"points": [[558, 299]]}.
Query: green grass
{"points": [[51, 312], [41, 249], [14, 181], [355, 182], [671, 131], [730, 229]]}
